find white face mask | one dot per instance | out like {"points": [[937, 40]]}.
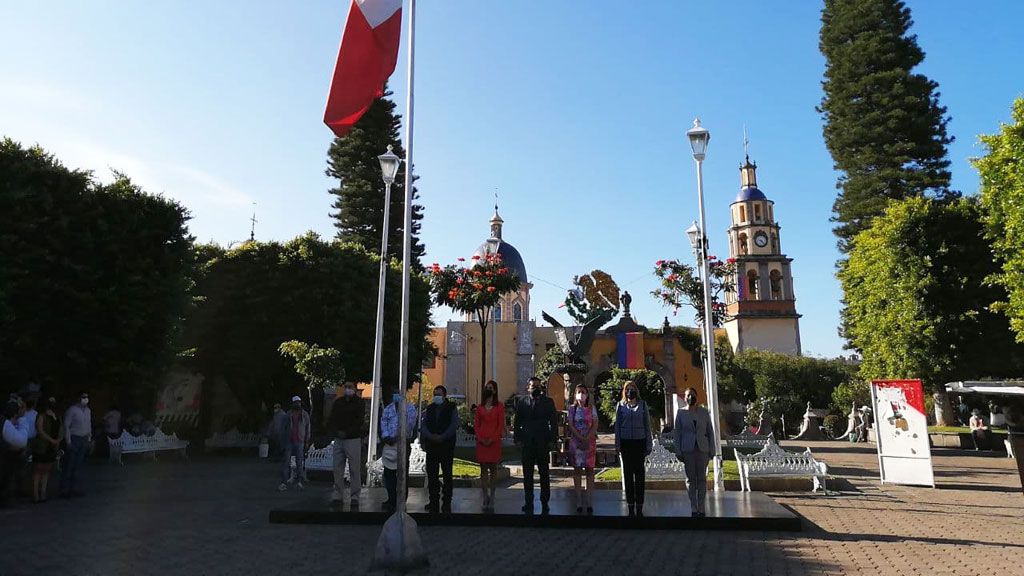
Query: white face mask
{"points": [[85, 401], [581, 397]]}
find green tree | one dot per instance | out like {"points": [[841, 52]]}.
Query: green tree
{"points": [[474, 290], [917, 304], [1002, 196], [680, 286], [790, 382], [855, 392], [94, 279], [319, 367], [359, 203], [260, 294], [883, 124]]}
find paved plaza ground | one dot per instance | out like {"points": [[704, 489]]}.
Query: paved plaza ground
{"points": [[209, 516]]}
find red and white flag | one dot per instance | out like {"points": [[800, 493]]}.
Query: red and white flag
{"points": [[369, 50]]}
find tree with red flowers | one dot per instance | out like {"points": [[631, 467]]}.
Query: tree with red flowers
{"points": [[474, 290], [681, 286]]}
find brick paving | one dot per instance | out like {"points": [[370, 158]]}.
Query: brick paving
{"points": [[209, 516]]}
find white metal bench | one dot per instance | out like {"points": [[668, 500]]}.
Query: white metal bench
{"points": [[773, 461], [150, 445], [233, 439], [322, 460], [747, 439]]}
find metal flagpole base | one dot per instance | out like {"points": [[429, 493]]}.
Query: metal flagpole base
{"points": [[399, 546]]}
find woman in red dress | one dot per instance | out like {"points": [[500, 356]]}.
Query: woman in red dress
{"points": [[489, 426]]}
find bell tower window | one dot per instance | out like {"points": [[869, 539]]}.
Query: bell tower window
{"points": [[752, 285], [743, 244], [517, 312], [775, 279], [497, 312], [743, 213], [757, 212]]}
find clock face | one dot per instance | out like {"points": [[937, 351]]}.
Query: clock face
{"points": [[761, 239]]}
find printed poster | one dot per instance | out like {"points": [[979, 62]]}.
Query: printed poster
{"points": [[901, 430]]}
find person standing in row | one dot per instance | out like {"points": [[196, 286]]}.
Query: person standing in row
{"points": [[389, 436], [633, 442], [437, 432], [489, 426], [694, 440], [12, 448], [346, 425], [44, 448], [535, 430], [297, 435], [78, 438], [583, 446]]}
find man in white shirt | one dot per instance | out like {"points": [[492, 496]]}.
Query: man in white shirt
{"points": [[78, 436]]}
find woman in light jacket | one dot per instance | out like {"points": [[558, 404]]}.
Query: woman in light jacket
{"points": [[633, 442], [694, 439]]}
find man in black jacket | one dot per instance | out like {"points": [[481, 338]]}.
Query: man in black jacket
{"points": [[535, 430], [347, 417], [437, 433]]}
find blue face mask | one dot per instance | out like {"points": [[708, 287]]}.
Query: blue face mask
{"points": [[397, 398], [438, 399]]}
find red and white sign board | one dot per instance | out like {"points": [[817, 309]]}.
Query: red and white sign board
{"points": [[901, 430]]}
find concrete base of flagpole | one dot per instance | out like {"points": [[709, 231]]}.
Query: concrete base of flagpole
{"points": [[399, 546]]}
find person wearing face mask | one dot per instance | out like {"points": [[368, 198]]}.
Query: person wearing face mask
{"points": [[346, 425], [44, 448], [297, 435], [489, 426], [77, 438], [694, 439], [535, 430], [437, 431], [583, 446], [633, 442], [389, 437]]}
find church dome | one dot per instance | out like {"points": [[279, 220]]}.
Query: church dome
{"points": [[750, 193], [509, 255], [495, 245]]}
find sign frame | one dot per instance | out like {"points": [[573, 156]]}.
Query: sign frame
{"points": [[901, 433]]}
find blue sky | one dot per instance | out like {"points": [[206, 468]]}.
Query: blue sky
{"points": [[574, 111]]}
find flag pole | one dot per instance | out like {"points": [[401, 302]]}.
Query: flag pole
{"points": [[399, 545]]}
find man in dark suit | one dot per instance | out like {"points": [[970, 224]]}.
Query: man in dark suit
{"points": [[535, 430]]}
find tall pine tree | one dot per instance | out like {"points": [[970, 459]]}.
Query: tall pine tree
{"points": [[883, 125], [359, 207]]}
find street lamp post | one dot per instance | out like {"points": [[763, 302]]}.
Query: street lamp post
{"points": [[699, 138], [389, 164]]}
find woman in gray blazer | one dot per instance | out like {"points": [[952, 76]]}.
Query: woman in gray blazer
{"points": [[694, 439]]}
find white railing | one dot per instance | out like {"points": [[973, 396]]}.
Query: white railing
{"points": [[747, 439], [233, 439], [129, 444]]}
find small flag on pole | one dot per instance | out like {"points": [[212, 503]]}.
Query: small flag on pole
{"points": [[366, 59]]}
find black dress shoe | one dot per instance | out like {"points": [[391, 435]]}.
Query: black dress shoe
{"points": [[528, 508], [590, 510], [446, 507], [544, 509], [639, 510], [632, 510]]}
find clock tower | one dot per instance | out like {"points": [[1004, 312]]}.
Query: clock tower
{"points": [[762, 310]]}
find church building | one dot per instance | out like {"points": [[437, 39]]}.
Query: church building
{"points": [[762, 309]]}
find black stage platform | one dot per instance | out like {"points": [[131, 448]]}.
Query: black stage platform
{"points": [[662, 510]]}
